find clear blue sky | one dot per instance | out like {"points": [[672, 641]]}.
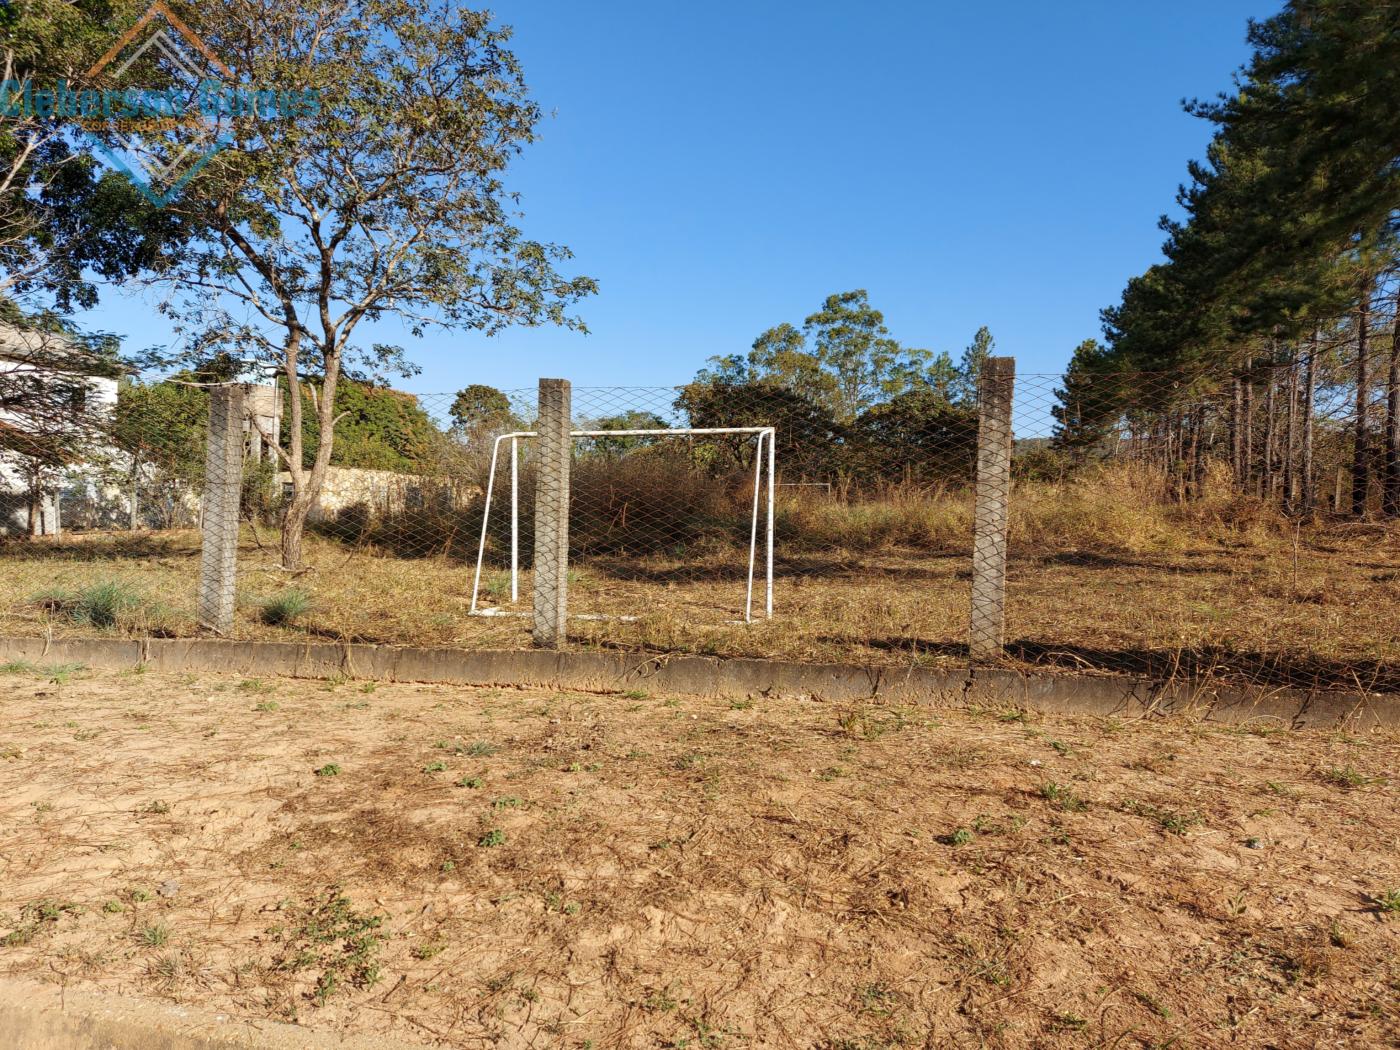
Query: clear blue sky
{"points": [[722, 167]]}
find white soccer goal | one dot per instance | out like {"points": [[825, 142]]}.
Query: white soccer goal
{"points": [[765, 461]]}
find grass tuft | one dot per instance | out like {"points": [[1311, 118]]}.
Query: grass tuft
{"points": [[282, 610]]}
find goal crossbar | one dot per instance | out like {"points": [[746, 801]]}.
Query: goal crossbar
{"points": [[767, 439]]}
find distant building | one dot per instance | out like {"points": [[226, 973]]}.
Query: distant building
{"points": [[58, 404], [57, 401]]}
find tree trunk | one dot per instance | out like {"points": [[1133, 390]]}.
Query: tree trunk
{"points": [[1193, 465], [1290, 438], [293, 527], [1390, 496], [134, 521], [307, 484], [1248, 448], [1361, 458], [36, 511], [1237, 432], [1309, 398], [1269, 484]]}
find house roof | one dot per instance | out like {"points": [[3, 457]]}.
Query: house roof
{"points": [[54, 351]]}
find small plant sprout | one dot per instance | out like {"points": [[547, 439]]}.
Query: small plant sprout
{"points": [[330, 769], [154, 935], [1062, 797]]}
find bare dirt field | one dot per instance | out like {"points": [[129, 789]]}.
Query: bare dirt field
{"points": [[467, 867]]}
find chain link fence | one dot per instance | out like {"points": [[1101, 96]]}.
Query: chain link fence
{"points": [[1149, 524]]}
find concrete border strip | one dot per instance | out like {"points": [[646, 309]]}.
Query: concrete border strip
{"points": [[710, 676]]}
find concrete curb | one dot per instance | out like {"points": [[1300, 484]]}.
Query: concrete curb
{"points": [[36, 1016], [717, 677]]}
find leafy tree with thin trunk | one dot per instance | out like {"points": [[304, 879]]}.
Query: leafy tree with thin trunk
{"points": [[843, 358], [383, 197]]}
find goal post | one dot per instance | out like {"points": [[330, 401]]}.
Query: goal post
{"points": [[764, 485]]}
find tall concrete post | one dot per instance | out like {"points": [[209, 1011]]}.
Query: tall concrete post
{"points": [[553, 459], [223, 483], [988, 628]]}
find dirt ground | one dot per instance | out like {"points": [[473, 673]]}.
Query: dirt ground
{"points": [[467, 867]]}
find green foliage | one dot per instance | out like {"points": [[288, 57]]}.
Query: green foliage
{"points": [[162, 426], [807, 431], [1288, 223], [387, 200], [63, 221], [1062, 797], [1091, 400], [846, 399], [378, 429], [843, 360], [36, 918], [479, 410], [915, 436], [633, 419], [963, 386]]}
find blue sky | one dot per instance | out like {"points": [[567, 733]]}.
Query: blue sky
{"points": [[722, 167]]}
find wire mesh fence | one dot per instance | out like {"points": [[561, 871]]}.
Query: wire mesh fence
{"points": [[1158, 524]]}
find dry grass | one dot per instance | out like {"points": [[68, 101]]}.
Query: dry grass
{"points": [[1105, 575], [515, 868]]}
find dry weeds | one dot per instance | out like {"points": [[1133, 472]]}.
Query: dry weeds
{"points": [[1105, 576]]}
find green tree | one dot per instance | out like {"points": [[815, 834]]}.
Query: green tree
{"points": [[479, 410], [1089, 401], [63, 220], [632, 419], [377, 429], [808, 434], [968, 374], [385, 198], [161, 427], [917, 436], [843, 358], [1290, 225]]}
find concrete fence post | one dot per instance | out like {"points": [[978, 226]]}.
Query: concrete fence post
{"points": [[988, 627], [553, 460], [223, 483]]}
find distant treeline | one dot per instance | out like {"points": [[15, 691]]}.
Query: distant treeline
{"points": [[1267, 339]]}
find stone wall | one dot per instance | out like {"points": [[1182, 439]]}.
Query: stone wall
{"points": [[383, 493]]}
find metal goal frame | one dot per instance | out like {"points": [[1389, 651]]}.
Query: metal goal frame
{"points": [[767, 440]]}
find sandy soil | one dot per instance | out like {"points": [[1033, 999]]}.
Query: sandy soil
{"points": [[507, 868]]}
